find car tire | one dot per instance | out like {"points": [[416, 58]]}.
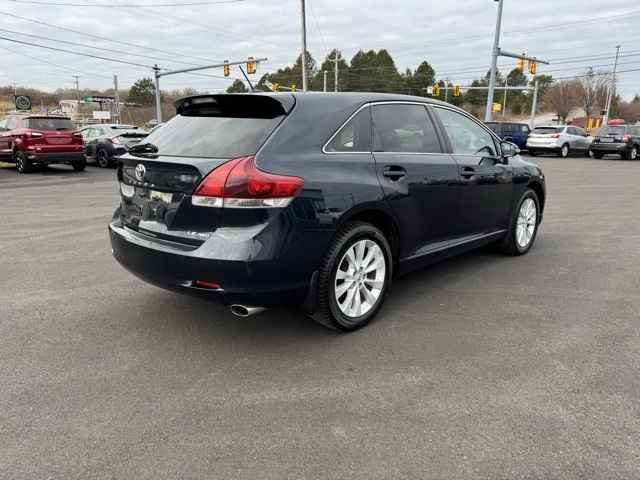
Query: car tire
{"points": [[523, 226], [598, 155], [564, 151], [79, 165], [533, 153], [632, 154], [102, 158], [23, 164], [349, 295]]}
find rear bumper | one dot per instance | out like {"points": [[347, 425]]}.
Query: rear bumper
{"points": [[51, 158], [258, 283], [609, 147]]}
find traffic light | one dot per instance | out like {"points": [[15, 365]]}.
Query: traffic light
{"points": [[227, 68], [275, 87], [436, 91], [457, 91], [520, 64], [252, 65], [533, 67], [293, 87]]}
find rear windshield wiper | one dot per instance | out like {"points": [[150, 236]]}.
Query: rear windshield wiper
{"points": [[143, 148]]}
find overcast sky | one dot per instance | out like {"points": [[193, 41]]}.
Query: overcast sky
{"points": [[454, 36]]}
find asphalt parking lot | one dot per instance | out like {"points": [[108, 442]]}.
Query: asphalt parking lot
{"points": [[483, 366]]}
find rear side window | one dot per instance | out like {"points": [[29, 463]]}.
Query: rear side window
{"points": [[49, 123], [510, 128], [355, 136], [212, 134], [403, 129]]}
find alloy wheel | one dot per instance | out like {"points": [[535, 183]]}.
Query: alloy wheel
{"points": [[103, 159], [19, 159], [634, 153], [565, 151], [360, 278], [526, 225]]}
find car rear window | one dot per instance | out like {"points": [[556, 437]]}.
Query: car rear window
{"points": [[49, 123], [495, 127], [612, 130], [548, 130]]}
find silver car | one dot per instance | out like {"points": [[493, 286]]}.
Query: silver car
{"points": [[562, 140]]}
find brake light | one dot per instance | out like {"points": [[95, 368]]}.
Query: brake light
{"points": [[555, 135], [239, 183], [36, 134], [207, 284], [626, 138]]}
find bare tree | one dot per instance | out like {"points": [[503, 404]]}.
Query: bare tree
{"points": [[562, 97], [593, 92]]}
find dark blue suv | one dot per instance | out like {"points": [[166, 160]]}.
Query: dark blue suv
{"points": [[511, 132]]}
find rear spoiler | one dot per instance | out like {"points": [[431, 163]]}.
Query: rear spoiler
{"points": [[237, 105]]}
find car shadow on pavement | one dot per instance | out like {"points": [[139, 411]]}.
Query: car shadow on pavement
{"points": [[212, 322]]}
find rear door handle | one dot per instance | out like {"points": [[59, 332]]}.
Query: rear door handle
{"points": [[394, 172]]}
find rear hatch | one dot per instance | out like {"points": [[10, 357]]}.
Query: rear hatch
{"points": [[159, 175], [53, 135], [611, 134], [544, 135], [126, 136]]}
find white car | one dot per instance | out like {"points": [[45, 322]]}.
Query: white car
{"points": [[562, 140]]}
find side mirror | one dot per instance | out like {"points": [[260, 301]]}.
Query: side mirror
{"points": [[509, 149]]}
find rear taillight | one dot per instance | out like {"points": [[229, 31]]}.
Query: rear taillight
{"points": [[35, 134], [239, 183], [626, 138], [555, 135]]}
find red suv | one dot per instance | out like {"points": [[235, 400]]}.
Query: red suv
{"points": [[32, 140]]}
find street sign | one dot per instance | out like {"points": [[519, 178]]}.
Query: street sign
{"points": [[101, 115], [99, 99], [430, 90], [23, 102], [497, 107]]}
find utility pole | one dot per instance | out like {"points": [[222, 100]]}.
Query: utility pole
{"points": [[303, 21], [612, 89], [534, 105], [494, 63], [504, 101], [116, 97], [15, 88], [337, 57], [324, 74], [77, 87], [446, 90], [156, 72]]}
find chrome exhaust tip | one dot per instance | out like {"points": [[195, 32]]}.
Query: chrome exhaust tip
{"points": [[244, 311]]}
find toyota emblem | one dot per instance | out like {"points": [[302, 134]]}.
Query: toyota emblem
{"points": [[140, 171]]}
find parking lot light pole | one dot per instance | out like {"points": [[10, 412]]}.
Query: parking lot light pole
{"points": [[534, 105], [612, 89], [494, 63]]}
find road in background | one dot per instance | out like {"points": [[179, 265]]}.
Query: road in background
{"points": [[483, 366]]}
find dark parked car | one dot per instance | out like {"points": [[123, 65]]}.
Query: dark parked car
{"points": [[623, 140], [316, 199], [36, 140], [511, 132], [106, 142]]}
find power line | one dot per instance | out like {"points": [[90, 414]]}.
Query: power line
{"points": [[98, 37], [75, 53], [55, 64], [147, 5], [121, 52]]}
